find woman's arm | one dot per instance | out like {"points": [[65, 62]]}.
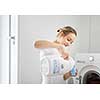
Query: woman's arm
{"points": [[42, 44], [46, 44]]}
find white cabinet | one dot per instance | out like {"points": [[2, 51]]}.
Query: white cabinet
{"points": [[83, 34], [89, 34], [94, 34]]}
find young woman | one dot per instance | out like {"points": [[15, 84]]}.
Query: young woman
{"points": [[65, 37]]}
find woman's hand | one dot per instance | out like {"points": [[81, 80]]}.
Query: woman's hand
{"points": [[68, 74], [76, 72], [63, 53]]}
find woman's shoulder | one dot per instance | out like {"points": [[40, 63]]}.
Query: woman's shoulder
{"points": [[49, 51], [52, 50]]}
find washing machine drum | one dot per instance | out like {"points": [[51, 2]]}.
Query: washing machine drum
{"points": [[54, 65]]}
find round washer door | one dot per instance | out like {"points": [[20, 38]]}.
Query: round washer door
{"points": [[89, 74]]}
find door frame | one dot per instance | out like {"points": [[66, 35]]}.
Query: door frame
{"points": [[13, 49]]}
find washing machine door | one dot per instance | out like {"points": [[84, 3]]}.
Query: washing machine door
{"points": [[89, 74]]}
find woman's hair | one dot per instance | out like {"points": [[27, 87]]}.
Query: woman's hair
{"points": [[66, 30]]}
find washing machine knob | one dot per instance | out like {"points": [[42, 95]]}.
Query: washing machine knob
{"points": [[91, 58]]}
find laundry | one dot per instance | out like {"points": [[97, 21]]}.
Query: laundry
{"points": [[55, 65]]}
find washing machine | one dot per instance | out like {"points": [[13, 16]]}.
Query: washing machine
{"points": [[88, 65]]}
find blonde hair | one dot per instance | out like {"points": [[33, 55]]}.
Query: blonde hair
{"points": [[66, 30]]}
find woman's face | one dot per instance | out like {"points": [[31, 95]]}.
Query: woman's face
{"points": [[67, 40]]}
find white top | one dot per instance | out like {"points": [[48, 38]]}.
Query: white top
{"points": [[54, 56], [49, 51]]}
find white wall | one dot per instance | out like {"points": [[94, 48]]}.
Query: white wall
{"points": [[39, 27], [4, 49], [0, 42]]}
